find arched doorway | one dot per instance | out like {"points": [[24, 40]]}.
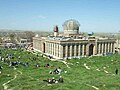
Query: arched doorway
{"points": [[43, 47], [91, 49]]}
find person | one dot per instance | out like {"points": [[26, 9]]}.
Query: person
{"points": [[116, 71], [59, 70], [56, 81], [60, 79], [53, 80], [50, 72], [56, 71], [47, 65], [37, 65], [49, 81], [18, 57]]}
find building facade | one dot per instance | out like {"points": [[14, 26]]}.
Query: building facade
{"points": [[72, 44]]}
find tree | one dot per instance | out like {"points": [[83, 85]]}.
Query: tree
{"points": [[1, 40], [29, 35], [12, 38]]}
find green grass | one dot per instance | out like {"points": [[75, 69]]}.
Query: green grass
{"points": [[76, 78]]}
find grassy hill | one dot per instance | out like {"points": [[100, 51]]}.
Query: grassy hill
{"points": [[90, 73]]}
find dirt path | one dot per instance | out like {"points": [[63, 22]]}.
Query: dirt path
{"points": [[54, 59], [98, 69], [61, 61], [86, 66], [5, 86], [65, 63], [96, 88]]}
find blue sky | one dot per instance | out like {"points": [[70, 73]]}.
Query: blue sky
{"points": [[42, 15]]}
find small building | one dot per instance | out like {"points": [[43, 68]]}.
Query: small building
{"points": [[72, 44]]}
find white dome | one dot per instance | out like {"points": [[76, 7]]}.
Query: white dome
{"points": [[71, 25]]}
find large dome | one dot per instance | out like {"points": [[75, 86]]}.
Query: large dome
{"points": [[71, 27]]}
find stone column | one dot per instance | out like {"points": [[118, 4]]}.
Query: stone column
{"points": [[49, 47], [83, 49], [113, 47], [37, 44], [70, 50], [66, 52], [99, 48], [102, 47], [58, 50], [94, 49], [87, 49], [78, 50], [61, 51], [75, 50], [40, 46], [55, 49], [105, 47], [52, 49], [45, 47], [108, 47]]}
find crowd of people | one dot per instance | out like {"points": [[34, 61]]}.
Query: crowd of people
{"points": [[14, 60], [9, 59], [11, 56], [53, 80], [56, 71]]}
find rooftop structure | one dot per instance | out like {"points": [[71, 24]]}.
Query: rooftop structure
{"points": [[72, 44]]}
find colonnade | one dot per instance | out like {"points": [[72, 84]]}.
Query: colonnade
{"points": [[105, 47], [53, 49], [73, 50]]}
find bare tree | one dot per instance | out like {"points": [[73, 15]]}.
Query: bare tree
{"points": [[29, 35], [12, 38], [1, 40]]}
